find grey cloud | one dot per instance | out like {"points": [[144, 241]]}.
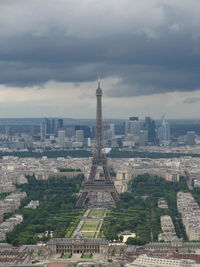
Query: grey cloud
{"points": [[192, 100], [150, 53]]}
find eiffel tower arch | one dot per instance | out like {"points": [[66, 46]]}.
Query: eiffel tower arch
{"points": [[99, 192]]}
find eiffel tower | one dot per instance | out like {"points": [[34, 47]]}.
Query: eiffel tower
{"points": [[99, 192]]}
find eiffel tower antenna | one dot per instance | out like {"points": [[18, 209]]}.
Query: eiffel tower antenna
{"points": [[99, 192], [99, 81]]}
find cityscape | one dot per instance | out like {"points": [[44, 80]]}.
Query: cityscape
{"points": [[99, 133], [163, 187], [51, 133]]}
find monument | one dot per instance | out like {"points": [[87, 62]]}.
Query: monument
{"points": [[98, 191]]}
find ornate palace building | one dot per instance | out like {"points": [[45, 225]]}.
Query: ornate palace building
{"points": [[77, 245]]}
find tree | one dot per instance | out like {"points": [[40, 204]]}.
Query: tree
{"points": [[136, 241]]}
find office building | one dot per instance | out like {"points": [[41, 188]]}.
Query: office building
{"points": [[47, 126], [86, 130], [135, 127], [79, 136], [53, 126], [61, 138], [60, 124], [150, 126], [143, 137], [112, 128], [132, 126], [133, 118], [164, 133], [42, 131], [190, 138]]}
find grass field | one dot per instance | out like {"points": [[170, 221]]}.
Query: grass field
{"points": [[72, 227], [66, 256], [86, 256], [89, 226], [89, 234], [98, 213]]}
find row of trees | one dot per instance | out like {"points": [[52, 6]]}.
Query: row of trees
{"points": [[115, 153], [69, 170], [49, 153], [118, 153]]}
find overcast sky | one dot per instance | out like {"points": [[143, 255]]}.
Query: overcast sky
{"points": [[147, 53]]}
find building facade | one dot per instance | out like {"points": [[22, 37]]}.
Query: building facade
{"points": [[78, 246]]}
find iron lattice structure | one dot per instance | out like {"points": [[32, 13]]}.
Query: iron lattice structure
{"points": [[98, 192]]}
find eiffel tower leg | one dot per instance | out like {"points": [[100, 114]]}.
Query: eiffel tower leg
{"points": [[92, 173], [106, 173], [115, 196], [82, 199]]}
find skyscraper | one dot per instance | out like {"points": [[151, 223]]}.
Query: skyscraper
{"points": [[164, 133], [135, 128], [112, 128], [133, 118], [42, 131], [61, 138], [60, 124], [79, 136], [47, 126], [85, 129], [53, 126], [150, 126], [132, 126], [190, 138]]}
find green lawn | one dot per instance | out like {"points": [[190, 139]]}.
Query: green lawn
{"points": [[91, 226], [89, 234], [86, 256], [72, 227], [98, 213]]}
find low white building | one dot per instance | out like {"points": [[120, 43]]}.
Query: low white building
{"points": [[162, 203], [9, 225], [147, 261], [168, 229], [190, 214]]}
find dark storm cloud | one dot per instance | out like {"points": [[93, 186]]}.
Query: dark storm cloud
{"points": [[161, 58]]}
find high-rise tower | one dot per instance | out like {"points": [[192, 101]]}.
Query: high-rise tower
{"points": [[98, 191], [164, 133]]}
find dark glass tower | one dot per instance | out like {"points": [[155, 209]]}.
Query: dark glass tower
{"points": [[150, 126]]}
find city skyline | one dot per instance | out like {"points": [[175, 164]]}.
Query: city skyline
{"points": [[51, 56], [121, 188]]}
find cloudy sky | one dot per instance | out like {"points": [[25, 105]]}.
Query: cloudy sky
{"points": [[147, 53]]}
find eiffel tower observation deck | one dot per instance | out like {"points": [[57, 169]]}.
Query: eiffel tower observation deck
{"points": [[98, 192]]}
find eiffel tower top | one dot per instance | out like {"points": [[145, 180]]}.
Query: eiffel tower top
{"points": [[99, 90]]}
